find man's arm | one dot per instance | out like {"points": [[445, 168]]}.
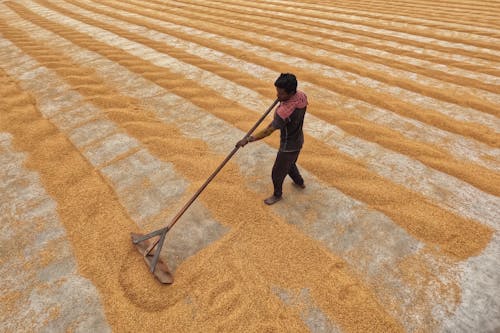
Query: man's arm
{"points": [[260, 135]]}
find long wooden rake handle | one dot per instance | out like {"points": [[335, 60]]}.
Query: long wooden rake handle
{"points": [[163, 231]]}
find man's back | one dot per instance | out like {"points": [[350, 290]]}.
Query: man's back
{"points": [[291, 134]]}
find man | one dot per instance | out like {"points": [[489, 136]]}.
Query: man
{"points": [[288, 118]]}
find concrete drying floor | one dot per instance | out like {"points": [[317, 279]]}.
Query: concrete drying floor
{"points": [[113, 114]]}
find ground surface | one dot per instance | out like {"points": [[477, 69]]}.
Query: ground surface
{"points": [[113, 113]]}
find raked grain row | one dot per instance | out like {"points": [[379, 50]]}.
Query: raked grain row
{"points": [[399, 218]]}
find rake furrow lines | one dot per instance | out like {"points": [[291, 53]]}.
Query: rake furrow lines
{"points": [[442, 35], [484, 101], [244, 28], [141, 205], [108, 74], [490, 52], [427, 22], [457, 7], [414, 55], [368, 58], [451, 6], [117, 23], [381, 34], [442, 19], [325, 111], [397, 228], [28, 269], [423, 13], [227, 45], [379, 201], [424, 115], [368, 301], [64, 174], [396, 48], [432, 157], [23, 40]]}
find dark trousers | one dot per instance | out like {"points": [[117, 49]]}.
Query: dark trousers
{"points": [[285, 165]]}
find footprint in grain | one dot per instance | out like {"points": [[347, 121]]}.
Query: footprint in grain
{"points": [[225, 298]]}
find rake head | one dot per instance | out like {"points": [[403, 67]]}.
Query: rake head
{"points": [[161, 271]]}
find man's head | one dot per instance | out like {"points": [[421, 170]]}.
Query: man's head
{"points": [[286, 86]]}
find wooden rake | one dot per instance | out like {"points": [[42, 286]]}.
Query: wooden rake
{"points": [[145, 245]]}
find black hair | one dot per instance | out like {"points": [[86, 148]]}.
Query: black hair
{"points": [[288, 82]]}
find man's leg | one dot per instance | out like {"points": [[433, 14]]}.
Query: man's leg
{"points": [[281, 168], [294, 173]]}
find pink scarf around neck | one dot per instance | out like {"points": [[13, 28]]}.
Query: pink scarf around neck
{"points": [[297, 101]]}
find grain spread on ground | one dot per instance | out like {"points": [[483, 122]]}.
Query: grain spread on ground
{"points": [[113, 114]]}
